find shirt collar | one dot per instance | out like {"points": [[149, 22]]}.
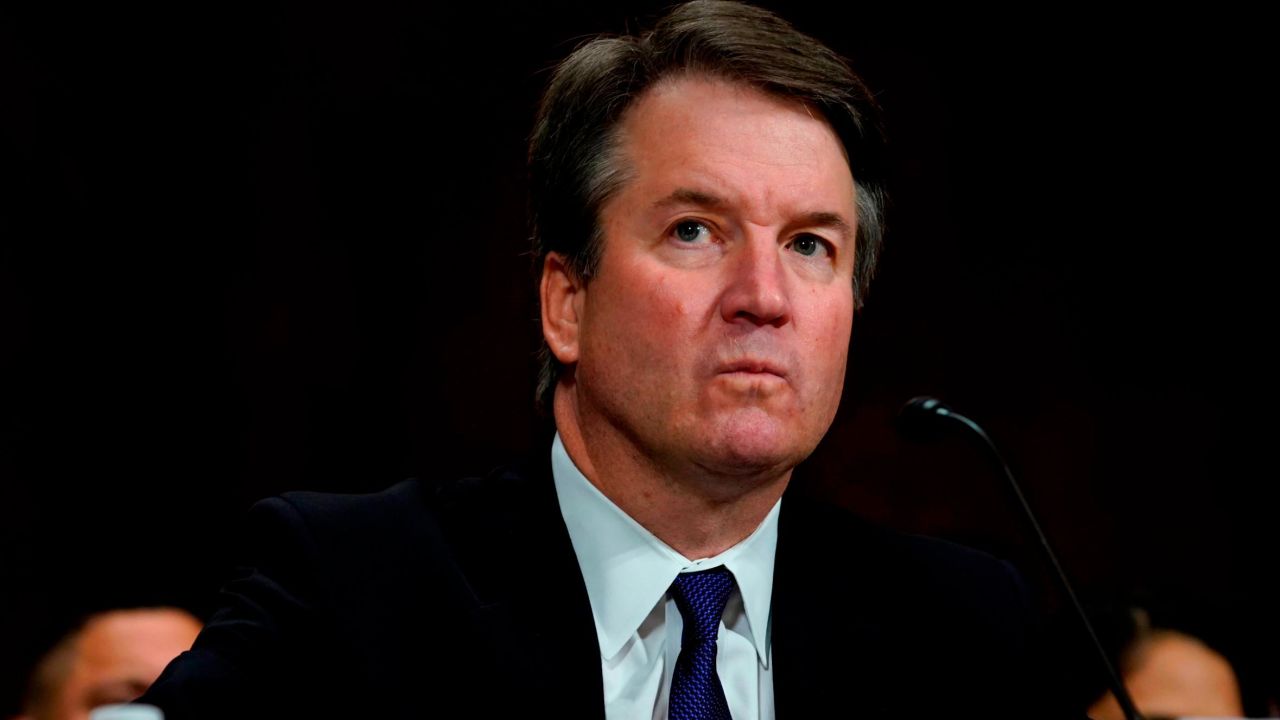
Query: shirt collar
{"points": [[627, 569]]}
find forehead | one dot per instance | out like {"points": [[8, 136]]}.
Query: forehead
{"points": [[762, 152], [131, 639]]}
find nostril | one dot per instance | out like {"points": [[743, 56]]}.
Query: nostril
{"points": [[757, 291], [776, 318]]}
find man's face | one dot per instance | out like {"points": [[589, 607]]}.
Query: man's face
{"points": [[715, 333], [119, 655]]}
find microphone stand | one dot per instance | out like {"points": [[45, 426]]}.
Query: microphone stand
{"points": [[924, 410]]}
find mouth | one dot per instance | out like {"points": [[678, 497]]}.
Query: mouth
{"points": [[752, 366]]}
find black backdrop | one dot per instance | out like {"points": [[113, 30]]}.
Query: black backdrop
{"points": [[250, 251]]}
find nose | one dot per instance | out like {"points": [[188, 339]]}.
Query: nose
{"points": [[757, 291]]}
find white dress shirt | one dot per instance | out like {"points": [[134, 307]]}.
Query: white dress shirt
{"points": [[628, 572]]}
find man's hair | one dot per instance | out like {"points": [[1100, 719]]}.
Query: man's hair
{"points": [[575, 158], [53, 669], [50, 674]]}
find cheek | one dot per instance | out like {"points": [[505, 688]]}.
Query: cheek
{"points": [[638, 324], [651, 309], [833, 345], [670, 303]]}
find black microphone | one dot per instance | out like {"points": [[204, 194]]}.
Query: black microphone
{"points": [[925, 419]]}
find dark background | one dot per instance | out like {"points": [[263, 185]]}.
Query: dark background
{"points": [[243, 252]]}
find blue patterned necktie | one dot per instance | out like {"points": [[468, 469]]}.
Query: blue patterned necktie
{"points": [[696, 693]]}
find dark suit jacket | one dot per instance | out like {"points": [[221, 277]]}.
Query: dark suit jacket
{"points": [[464, 599]]}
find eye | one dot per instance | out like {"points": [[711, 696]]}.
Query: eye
{"points": [[690, 231], [808, 245]]}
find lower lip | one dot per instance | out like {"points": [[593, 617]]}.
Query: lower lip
{"points": [[753, 377]]}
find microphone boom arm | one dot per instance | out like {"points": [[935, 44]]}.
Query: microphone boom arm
{"points": [[926, 411]]}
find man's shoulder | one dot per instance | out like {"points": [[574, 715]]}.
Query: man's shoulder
{"points": [[923, 612], [899, 570], [363, 595], [405, 505], [419, 523], [351, 511], [831, 525]]}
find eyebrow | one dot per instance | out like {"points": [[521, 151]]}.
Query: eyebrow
{"points": [[687, 196], [830, 220]]}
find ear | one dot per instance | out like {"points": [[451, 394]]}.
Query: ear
{"points": [[561, 293]]}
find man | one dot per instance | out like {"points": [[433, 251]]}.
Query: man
{"points": [[1171, 674], [1168, 671], [706, 204], [111, 658]]}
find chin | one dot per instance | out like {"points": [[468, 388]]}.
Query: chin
{"points": [[756, 445]]}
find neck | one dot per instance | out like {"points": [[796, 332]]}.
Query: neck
{"points": [[697, 512]]}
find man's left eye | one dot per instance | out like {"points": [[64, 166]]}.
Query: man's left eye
{"points": [[807, 245], [690, 231]]}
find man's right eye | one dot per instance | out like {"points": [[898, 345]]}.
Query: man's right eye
{"points": [[691, 231]]}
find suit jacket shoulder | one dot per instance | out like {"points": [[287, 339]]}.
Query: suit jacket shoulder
{"points": [[899, 625], [417, 601]]}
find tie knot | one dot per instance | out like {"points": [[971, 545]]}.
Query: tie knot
{"points": [[701, 597]]}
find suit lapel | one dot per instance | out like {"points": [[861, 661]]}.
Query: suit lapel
{"points": [[533, 602], [826, 640]]}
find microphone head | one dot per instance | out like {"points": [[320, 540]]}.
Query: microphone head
{"points": [[923, 419]]}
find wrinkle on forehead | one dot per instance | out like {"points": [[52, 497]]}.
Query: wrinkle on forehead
{"points": [[786, 174], [672, 82]]}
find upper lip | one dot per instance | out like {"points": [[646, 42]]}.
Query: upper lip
{"points": [[754, 365]]}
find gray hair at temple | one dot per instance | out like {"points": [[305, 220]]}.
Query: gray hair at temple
{"points": [[575, 163]]}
